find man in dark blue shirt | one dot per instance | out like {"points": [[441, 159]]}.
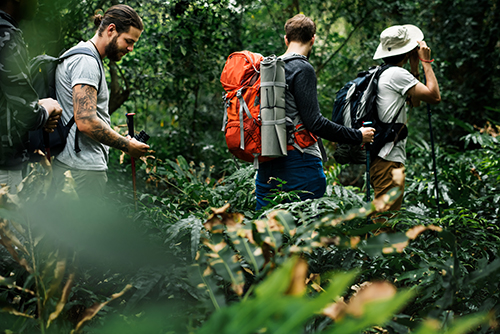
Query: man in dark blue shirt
{"points": [[302, 170]]}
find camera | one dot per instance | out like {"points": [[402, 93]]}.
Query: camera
{"points": [[142, 137]]}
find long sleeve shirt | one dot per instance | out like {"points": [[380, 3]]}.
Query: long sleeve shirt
{"points": [[301, 81]]}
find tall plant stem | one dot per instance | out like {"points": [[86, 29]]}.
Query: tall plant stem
{"points": [[37, 279]]}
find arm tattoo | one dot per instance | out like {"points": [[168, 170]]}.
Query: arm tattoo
{"points": [[85, 111]]}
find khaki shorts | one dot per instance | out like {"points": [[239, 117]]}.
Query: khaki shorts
{"points": [[382, 180]]}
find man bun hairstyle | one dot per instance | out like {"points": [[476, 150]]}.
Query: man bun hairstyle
{"points": [[300, 28], [122, 16]]}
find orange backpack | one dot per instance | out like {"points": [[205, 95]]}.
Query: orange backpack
{"points": [[242, 123]]}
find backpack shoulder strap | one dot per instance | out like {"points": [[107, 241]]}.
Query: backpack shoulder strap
{"points": [[82, 51], [382, 68]]}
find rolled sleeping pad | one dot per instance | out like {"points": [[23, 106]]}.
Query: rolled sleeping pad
{"points": [[272, 107]]}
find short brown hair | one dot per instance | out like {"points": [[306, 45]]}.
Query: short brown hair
{"points": [[122, 16], [300, 28]]}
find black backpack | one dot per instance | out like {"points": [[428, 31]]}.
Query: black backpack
{"points": [[355, 104], [43, 72]]}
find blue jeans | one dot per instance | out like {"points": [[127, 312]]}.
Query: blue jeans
{"points": [[301, 171]]}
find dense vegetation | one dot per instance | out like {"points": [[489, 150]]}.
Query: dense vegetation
{"points": [[191, 255]]}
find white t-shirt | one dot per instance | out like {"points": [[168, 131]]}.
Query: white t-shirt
{"points": [[393, 85], [78, 70]]}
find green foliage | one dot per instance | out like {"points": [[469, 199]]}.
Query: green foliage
{"points": [[193, 253], [274, 309]]}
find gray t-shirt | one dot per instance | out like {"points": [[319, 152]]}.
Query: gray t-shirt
{"points": [[78, 70], [393, 85]]}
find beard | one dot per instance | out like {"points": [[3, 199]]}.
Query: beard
{"points": [[112, 50]]}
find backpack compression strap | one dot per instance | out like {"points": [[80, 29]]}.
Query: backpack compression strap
{"points": [[243, 107]]}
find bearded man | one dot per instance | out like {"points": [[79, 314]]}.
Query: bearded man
{"points": [[82, 91]]}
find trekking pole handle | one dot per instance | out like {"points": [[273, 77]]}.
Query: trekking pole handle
{"points": [[367, 123], [130, 123]]}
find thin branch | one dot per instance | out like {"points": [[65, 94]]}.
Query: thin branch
{"points": [[322, 66], [275, 25]]}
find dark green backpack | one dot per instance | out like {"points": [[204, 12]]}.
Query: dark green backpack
{"points": [[43, 73]]}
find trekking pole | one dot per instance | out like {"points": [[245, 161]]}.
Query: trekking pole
{"points": [[429, 114], [130, 124], [367, 173], [46, 141]]}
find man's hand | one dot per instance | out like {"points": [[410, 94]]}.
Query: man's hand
{"points": [[368, 134], [430, 91], [424, 52], [137, 149], [54, 110]]}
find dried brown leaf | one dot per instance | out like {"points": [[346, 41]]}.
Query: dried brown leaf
{"points": [[238, 288], [69, 186], [375, 291], [214, 224], [417, 230], [232, 221], [89, 313], [313, 278], [5, 232], [274, 224], [59, 271], [355, 241], [260, 225], [13, 286], [122, 158], [7, 243], [298, 283], [216, 248], [15, 312], [222, 210], [398, 176], [62, 301], [335, 311]]}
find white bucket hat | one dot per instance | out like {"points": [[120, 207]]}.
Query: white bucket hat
{"points": [[397, 40]]}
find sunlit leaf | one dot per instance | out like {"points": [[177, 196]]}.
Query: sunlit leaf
{"points": [[62, 301], [94, 309]]}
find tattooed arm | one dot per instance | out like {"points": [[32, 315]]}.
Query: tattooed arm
{"points": [[85, 111]]}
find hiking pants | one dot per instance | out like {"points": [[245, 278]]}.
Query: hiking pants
{"points": [[88, 184], [301, 171], [382, 180]]}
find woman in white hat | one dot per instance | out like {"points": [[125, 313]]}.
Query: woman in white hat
{"points": [[398, 44]]}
